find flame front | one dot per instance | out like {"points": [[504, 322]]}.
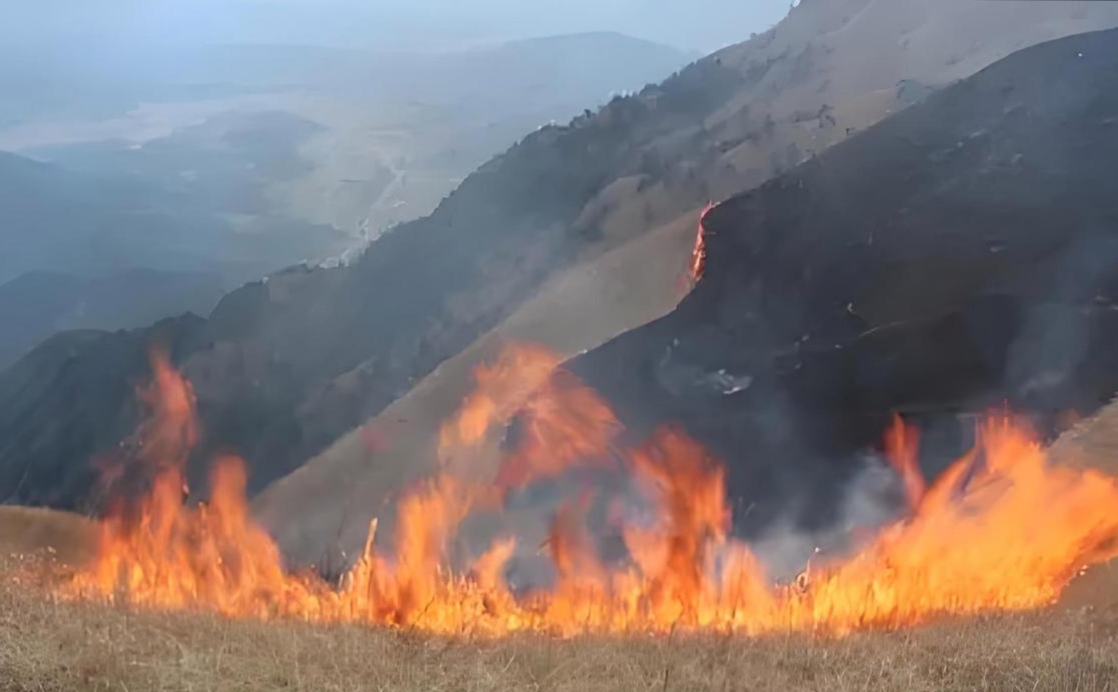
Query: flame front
{"points": [[1000, 530]]}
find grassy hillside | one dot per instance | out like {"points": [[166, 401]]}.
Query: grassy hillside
{"points": [[577, 310], [29, 531], [725, 125], [804, 230]]}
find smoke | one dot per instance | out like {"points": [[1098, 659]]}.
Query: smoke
{"points": [[1055, 339], [607, 504], [873, 498]]}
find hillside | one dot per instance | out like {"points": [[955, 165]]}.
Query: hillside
{"points": [[284, 367], [28, 531], [75, 373], [573, 312], [293, 508], [100, 220], [955, 258]]}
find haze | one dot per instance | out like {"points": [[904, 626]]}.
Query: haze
{"points": [[386, 24], [174, 149]]}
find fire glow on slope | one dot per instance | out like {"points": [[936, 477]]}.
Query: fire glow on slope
{"points": [[1001, 530], [699, 252]]}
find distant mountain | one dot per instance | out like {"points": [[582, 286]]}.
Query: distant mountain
{"points": [[94, 78], [90, 221], [391, 24], [47, 214], [117, 239], [35, 305], [293, 153]]}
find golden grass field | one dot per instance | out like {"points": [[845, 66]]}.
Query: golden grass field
{"points": [[82, 647], [79, 647]]}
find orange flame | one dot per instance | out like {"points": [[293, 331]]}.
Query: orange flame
{"points": [[563, 423], [1000, 530], [699, 253], [902, 449]]}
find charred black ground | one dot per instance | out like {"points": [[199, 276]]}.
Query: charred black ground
{"points": [[958, 256]]}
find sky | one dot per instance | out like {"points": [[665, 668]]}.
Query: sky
{"points": [[695, 25]]}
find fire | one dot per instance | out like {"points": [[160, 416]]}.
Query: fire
{"points": [[563, 422], [699, 253], [1001, 530], [902, 449]]}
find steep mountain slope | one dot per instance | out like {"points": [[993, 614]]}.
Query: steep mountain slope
{"points": [[959, 256], [574, 312], [59, 219], [55, 408], [295, 509], [351, 340]]}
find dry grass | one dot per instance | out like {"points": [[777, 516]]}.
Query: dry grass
{"points": [[77, 647], [70, 537], [84, 647]]}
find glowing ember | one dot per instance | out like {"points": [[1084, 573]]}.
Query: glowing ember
{"points": [[1001, 530]]}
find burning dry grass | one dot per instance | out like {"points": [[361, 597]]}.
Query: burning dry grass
{"points": [[83, 647], [1000, 531], [972, 543], [73, 646]]}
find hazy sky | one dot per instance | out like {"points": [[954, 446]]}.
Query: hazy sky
{"points": [[701, 25]]}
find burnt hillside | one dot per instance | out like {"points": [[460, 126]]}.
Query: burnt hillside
{"points": [[959, 255]]}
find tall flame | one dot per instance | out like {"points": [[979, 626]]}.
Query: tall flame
{"points": [[902, 449], [1000, 530]]}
